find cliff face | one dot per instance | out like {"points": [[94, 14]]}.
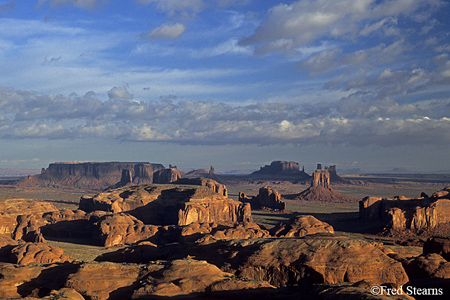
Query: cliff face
{"points": [[414, 214], [184, 203], [281, 168], [92, 174], [267, 198]]}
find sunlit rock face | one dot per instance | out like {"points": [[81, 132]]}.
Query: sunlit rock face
{"points": [[188, 201], [413, 214]]}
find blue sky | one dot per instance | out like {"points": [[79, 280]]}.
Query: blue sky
{"points": [[236, 84]]}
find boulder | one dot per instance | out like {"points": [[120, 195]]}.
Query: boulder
{"points": [[37, 253], [241, 231], [300, 226]]}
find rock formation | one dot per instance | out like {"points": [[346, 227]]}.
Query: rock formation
{"points": [[325, 258], [281, 169], [37, 253], [321, 190], [266, 198], [166, 176], [92, 174], [188, 201], [300, 226], [411, 214]]}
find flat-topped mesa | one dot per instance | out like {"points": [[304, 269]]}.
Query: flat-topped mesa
{"points": [[188, 201], [282, 168], [93, 174]]}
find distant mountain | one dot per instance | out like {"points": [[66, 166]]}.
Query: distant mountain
{"points": [[12, 172]]}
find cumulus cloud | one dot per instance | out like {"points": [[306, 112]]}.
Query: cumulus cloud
{"points": [[288, 27], [165, 32], [349, 121], [119, 93]]}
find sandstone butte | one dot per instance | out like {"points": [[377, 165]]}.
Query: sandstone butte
{"points": [[408, 214], [267, 198], [187, 201], [321, 190]]}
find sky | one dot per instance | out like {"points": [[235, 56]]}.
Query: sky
{"points": [[361, 84]]}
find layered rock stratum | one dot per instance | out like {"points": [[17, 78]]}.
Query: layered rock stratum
{"points": [[91, 174]]}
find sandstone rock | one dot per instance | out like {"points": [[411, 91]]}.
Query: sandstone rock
{"points": [[281, 170], [172, 204], [121, 229], [103, 281], [166, 176], [65, 293], [329, 259], [91, 174], [28, 229], [215, 186], [11, 208], [321, 191], [241, 231], [37, 253], [417, 215], [183, 277], [267, 198], [282, 262], [439, 245], [430, 265], [300, 226]]}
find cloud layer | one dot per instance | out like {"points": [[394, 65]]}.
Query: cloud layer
{"points": [[345, 122]]}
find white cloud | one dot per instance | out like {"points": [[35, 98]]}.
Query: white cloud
{"points": [[165, 32], [89, 4], [348, 121], [304, 22], [119, 93]]}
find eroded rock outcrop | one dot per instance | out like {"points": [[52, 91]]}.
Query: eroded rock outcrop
{"points": [[280, 169], [300, 226], [284, 261], [266, 198], [121, 229], [187, 201], [91, 174], [37, 253], [321, 190], [408, 214], [166, 176]]}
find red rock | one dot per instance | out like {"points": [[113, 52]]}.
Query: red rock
{"points": [[37, 253], [121, 229], [300, 226]]}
